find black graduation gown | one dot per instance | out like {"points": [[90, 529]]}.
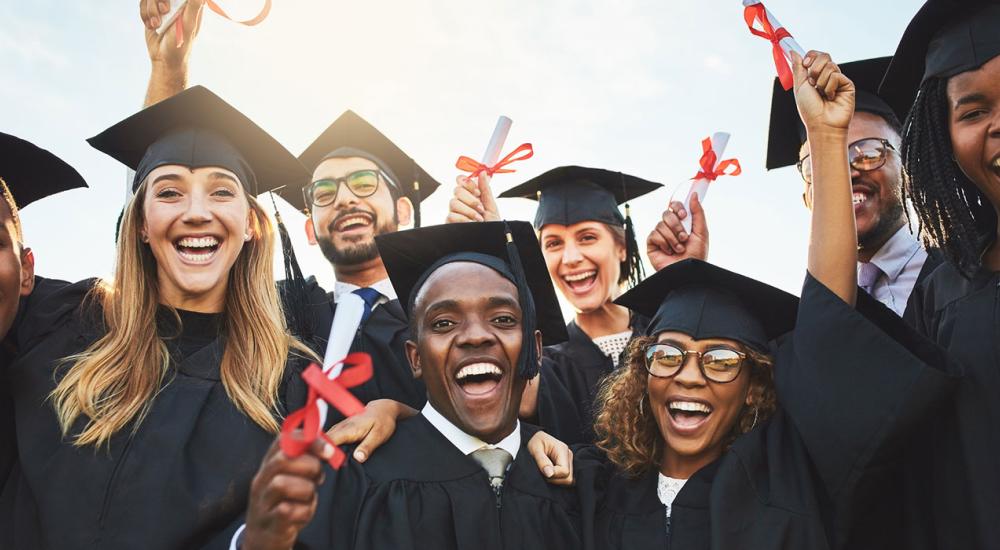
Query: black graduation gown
{"points": [[579, 365], [180, 479], [420, 492], [382, 336], [953, 468], [849, 388], [934, 259]]}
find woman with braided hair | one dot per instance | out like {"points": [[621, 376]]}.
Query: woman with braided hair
{"points": [[949, 59]]}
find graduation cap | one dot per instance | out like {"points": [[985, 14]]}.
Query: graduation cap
{"points": [[787, 133], [352, 136], [510, 248], [196, 128], [944, 38], [572, 194], [32, 173], [706, 301]]}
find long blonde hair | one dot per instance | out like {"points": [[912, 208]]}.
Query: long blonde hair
{"points": [[114, 381], [625, 428]]}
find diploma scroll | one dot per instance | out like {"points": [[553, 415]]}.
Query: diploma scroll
{"points": [[176, 8], [700, 185], [787, 44], [497, 140], [346, 320]]}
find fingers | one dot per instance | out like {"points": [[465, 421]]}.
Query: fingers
{"points": [[490, 210], [537, 448], [670, 229], [465, 204], [800, 71], [562, 458], [699, 225], [150, 11]]}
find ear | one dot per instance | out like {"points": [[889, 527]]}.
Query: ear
{"points": [[310, 231], [413, 357], [621, 252], [538, 346], [27, 271], [404, 210]]}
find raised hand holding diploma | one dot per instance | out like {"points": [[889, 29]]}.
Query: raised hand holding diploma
{"points": [[473, 199], [782, 43], [710, 168]]}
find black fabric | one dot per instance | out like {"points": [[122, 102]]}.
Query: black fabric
{"points": [[557, 410], [196, 128], [952, 474], [180, 479], [933, 260], [418, 491], [579, 365], [793, 481], [352, 136], [383, 336], [32, 173], [944, 38], [706, 301], [786, 133], [571, 194]]}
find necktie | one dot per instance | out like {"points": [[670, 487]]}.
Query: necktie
{"points": [[868, 275], [370, 296], [495, 462]]}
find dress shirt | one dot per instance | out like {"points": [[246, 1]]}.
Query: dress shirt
{"points": [[384, 287], [901, 258], [466, 443]]}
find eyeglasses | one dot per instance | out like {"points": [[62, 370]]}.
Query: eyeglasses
{"points": [[864, 155], [363, 183], [720, 365]]}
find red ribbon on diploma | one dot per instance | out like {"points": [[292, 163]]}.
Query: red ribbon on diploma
{"points": [[775, 36], [709, 170], [474, 167], [357, 370], [179, 22]]}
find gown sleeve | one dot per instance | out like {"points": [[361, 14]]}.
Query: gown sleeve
{"points": [[557, 413], [339, 503], [47, 308], [855, 382]]}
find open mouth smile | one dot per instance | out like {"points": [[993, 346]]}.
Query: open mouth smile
{"points": [[354, 221], [197, 250], [687, 416], [479, 379], [582, 282]]}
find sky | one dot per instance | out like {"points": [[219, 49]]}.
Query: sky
{"points": [[631, 86]]}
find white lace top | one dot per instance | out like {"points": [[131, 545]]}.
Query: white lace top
{"points": [[667, 489], [613, 345]]}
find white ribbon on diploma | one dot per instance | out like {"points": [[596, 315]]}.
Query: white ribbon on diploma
{"points": [[700, 185], [346, 320]]}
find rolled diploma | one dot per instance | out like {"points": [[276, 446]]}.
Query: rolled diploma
{"points": [[700, 185], [346, 320], [171, 16], [497, 140], [787, 44]]}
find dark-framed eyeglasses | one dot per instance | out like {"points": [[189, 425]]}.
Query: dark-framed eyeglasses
{"points": [[363, 183], [719, 364], [864, 155]]}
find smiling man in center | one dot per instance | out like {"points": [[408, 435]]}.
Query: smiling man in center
{"points": [[456, 475]]}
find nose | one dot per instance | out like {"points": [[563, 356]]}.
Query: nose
{"points": [[690, 374], [198, 209], [571, 253], [345, 198], [475, 333]]}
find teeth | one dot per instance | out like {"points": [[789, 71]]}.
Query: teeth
{"points": [[996, 163], [689, 406], [201, 257], [200, 242], [477, 369], [354, 220], [860, 198], [579, 276]]}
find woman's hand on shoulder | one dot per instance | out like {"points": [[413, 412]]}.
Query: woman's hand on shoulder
{"points": [[553, 457], [370, 429]]}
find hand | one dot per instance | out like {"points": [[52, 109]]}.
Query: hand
{"points": [[370, 429], [553, 457], [473, 201], [668, 243], [163, 50], [283, 497], [824, 96]]}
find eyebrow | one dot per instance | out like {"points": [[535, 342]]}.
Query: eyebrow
{"points": [[971, 98], [167, 177], [440, 305], [501, 301], [223, 176]]}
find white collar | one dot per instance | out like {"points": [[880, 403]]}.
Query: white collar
{"points": [[466, 443], [384, 287], [896, 253]]}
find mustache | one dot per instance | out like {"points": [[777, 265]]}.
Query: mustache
{"points": [[332, 227]]}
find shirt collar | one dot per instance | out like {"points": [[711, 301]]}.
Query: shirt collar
{"points": [[384, 287], [466, 443], [896, 253]]}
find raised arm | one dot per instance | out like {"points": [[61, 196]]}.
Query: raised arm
{"points": [[169, 62], [825, 99]]}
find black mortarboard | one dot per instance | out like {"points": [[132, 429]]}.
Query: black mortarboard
{"points": [[510, 248], [32, 173], [944, 38], [705, 301], [352, 136], [572, 194], [196, 128], [787, 133]]}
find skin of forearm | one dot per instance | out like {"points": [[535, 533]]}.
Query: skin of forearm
{"points": [[164, 82], [833, 242]]}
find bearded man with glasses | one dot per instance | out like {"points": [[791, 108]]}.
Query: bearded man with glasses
{"points": [[890, 258]]}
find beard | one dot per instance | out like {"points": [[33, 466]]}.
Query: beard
{"points": [[359, 252], [888, 223]]}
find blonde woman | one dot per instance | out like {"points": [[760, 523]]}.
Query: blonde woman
{"points": [[144, 403]]}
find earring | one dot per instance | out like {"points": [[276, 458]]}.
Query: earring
{"points": [[145, 238], [642, 404], [756, 413], [247, 237]]}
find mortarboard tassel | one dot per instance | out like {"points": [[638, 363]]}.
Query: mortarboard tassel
{"points": [[633, 261], [416, 201], [293, 292], [527, 366]]}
